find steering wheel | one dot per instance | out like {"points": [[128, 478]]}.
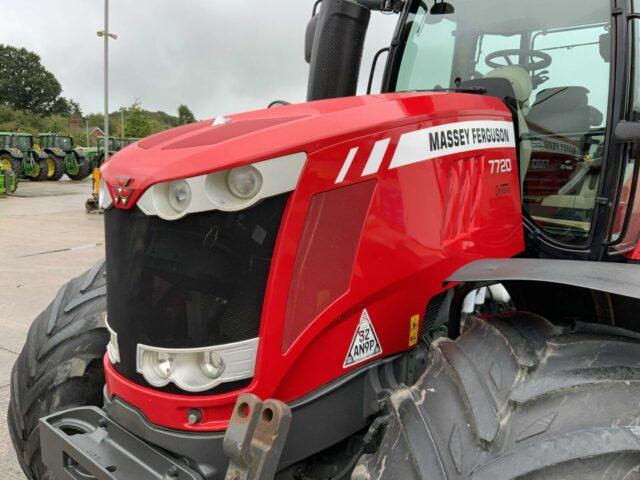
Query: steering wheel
{"points": [[536, 59]]}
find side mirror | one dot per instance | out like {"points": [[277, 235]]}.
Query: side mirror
{"points": [[442, 8], [627, 132]]}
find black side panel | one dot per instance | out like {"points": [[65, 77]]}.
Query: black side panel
{"points": [[337, 49]]}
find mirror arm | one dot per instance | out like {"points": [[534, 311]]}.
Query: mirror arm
{"points": [[373, 67]]}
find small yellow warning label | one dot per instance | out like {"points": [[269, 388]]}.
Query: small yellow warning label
{"points": [[414, 325]]}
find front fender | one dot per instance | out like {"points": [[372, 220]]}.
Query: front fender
{"points": [[614, 278], [14, 152], [40, 154], [55, 153]]}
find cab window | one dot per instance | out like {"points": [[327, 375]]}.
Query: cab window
{"points": [[556, 56]]}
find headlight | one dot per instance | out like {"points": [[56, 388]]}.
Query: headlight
{"points": [[244, 182], [157, 367], [197, 369], [212, 364], [104, 198], [225, 190], [163, 364], [179, 195]]}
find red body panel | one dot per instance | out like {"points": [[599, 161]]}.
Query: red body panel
{"points": [[424, 221]]}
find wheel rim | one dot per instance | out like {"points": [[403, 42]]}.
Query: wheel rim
{"points": [[36, 169], [5, 164], [51, 167]]}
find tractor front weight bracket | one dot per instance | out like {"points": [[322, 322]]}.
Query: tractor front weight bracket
{"points": [[255, 438]]}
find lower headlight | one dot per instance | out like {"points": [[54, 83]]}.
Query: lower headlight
{"points": [[179, 195], [244, 182], [157, 367], [212, 364], [197, 369]]}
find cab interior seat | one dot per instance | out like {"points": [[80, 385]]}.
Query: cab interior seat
{"points": [[563, 110]]}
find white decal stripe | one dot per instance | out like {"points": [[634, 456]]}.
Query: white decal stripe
{"points": [[375, 159], [347, 164], [422, 145]]}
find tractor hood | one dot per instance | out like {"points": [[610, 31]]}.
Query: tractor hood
{"points": [[247, 138]]}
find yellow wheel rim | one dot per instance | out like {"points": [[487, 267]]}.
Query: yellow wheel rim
{"points": [[36, 170], [51, 167], [5, 164]]}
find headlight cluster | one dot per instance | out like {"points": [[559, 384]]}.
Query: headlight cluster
{"points": [[197, 369], [229, 190]]}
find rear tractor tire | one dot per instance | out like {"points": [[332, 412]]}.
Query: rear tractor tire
{"points": [[60, 366], [84, 170], [41, 171], [8, 162], [515, 397], [55, 168]]}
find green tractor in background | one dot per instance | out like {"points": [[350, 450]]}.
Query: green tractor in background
{"points": [[65, 157], [115, 145], [26, 159]]}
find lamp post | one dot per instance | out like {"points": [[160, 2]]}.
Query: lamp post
{"points": [[106, 35]]}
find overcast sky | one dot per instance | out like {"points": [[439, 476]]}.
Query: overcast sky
{"points": [[216, 56]]}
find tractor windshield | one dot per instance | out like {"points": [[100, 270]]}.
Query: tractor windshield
{"points": [[557, 57], [22, 143], [65, 143]]}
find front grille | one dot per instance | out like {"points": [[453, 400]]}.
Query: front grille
{"points": [[194, 282]]}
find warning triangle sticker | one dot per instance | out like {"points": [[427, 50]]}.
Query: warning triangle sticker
{"points": [[365, 343]]}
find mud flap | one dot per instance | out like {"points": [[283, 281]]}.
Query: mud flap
{"points": [[407, 446], [84, 443]]}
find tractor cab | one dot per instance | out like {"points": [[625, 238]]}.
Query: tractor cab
{"points": [[557, 58], [22, 141], [566, 93], [54, 140]]}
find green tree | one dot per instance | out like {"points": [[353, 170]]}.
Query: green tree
{"points": [[185, 115], [64, 106], [141, 123], [24, 82]]}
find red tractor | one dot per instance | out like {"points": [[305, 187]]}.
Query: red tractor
{"points": [[436, 282]]}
